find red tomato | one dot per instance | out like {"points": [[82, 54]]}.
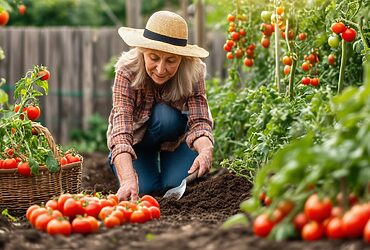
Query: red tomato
{"points": [[84, 225], [230, 18], [229, 55], [93, 209], [287, 60], [9, 163], [42, 220], [93, 223], [314, 81], [43, 74], [4, 17], [33, 112], [300, 220], [367, 232], [331, 59], [286, 70], [72, 208], [29, 211], [150, 199], [265, 42], [126, 212], [61, 200], [316, 209], [1, 163], [239, 53], [148, 215], [36, 213], [305, 66], [267, 29], [312, 231], [248, 62], [354, 222], [155, 212], [24, 169], [111, 221], [235, 36], [306, 80], [262, 225], [53, 204], [302, 36], [22, 9], [138, 216], [72, 158], [227, 47], [119, 214], [338, 28], [105, 212], [349, 35], [113, 197], [334, 229], [285, 206], [59, 226]]}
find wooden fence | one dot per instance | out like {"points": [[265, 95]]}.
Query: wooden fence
{"points": [[76, 58]]}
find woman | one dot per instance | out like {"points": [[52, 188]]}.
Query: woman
{"points": [[160, 127]]}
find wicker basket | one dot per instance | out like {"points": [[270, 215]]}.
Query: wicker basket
{"points": [[18, 192]]}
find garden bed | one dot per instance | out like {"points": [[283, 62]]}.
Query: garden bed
{"points": [[190, 223]]}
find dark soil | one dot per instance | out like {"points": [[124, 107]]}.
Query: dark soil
{"points": [[193, 222]]}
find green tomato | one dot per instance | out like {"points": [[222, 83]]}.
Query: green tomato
{"points": [[266, 16], [333, 41]]}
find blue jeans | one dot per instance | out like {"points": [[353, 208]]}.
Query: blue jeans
{"points": [[156, 169]]}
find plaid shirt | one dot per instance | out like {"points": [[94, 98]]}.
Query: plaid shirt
{"points": [[132, 108]]}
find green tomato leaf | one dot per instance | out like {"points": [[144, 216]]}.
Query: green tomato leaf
{"points": [[34, 165], [236, 219], [52, 163]]}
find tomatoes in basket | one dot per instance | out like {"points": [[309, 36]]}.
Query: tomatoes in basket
{"points": [[24, 169], [9, 163]]}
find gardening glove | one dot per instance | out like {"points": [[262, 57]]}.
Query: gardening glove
{"points": [[203, 161]]}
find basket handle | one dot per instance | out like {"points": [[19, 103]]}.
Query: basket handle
{"points": [[49, 138]]}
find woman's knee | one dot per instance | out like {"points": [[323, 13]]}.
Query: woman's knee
{"points": [[168, 122]]}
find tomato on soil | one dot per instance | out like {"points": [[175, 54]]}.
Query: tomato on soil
{"points": [[59, 226], [150, 199], [317, 209], [312, 231]]}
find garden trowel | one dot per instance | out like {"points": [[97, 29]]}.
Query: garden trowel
{"points": [[177, 192]]}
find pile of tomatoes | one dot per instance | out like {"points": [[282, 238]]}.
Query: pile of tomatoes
{"points": [[85, 214], [319, 219]]}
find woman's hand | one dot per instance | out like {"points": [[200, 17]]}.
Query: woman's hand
{"points": [[129, 184], [129, 187], [203, 161]]}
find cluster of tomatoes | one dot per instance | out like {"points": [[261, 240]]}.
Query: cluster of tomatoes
{"points": [[320, 218], [85, 214], [4, 14], [236, 45], [339, 29], [23, 167], [310, 61]]}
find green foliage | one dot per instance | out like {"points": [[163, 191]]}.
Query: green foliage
{"points": [[79, 13], [340, 160], [16, 129], [92, 140]]}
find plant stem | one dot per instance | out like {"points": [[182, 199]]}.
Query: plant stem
{"points": [[277, 51], [342, 66]]}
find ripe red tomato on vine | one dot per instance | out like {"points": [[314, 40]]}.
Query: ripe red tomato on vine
{"points": [[349, 35], [4, 17], [22, 9], [43, 74], [33, 112]]}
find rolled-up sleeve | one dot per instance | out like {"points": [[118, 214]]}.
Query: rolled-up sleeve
{"points": [[200, 120], [120, 130]]}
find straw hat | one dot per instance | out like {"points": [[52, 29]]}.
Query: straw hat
{"points": [[165, 31]]}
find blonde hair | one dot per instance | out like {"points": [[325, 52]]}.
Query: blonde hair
{"points": [[190, 71]]}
